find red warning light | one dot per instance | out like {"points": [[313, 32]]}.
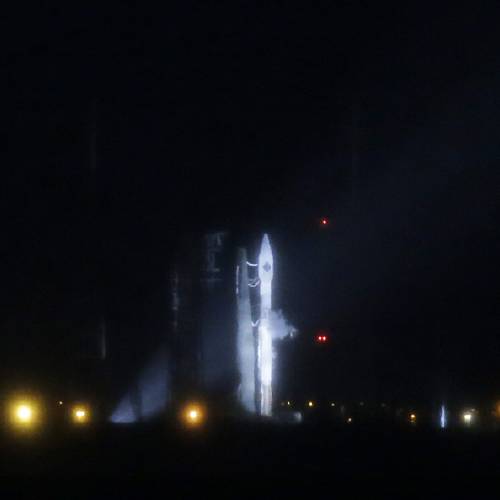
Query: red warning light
{"points": [[324, 221], [321, 338]]}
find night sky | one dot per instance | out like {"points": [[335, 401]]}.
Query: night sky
{"points": [[242, 117]]}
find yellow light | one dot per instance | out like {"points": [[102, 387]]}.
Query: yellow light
{"points": [[80, 414], [496, 411], [24, 413], [467, 416], [413, 417], [310, 404], [193, 415], [60, 403]]}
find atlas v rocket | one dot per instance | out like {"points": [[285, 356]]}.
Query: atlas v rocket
{"points": [[255, 352], [264, 339]]}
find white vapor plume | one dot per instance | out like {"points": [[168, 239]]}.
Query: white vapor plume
{"points": [[148, 396], [279, 326]]}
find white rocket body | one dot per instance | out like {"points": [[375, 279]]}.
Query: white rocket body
{"points": [[264, 344]]}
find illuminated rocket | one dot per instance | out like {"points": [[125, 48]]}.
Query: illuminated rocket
{"points": [[255, 338], [264, 337]]}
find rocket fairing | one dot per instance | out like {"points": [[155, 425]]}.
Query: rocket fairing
{"points": [[264, 341], [266, 270]]}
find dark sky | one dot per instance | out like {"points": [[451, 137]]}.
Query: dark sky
{"points": [[233, 115]]}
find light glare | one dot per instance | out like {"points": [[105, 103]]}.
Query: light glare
{"points": [[80, 415], [193, 415], [442, 418], [24, 413]]}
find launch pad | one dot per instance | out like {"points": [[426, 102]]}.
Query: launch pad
{"points": [[222, 326]]}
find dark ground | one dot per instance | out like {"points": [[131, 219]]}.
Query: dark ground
{"points": [[255, 460]]}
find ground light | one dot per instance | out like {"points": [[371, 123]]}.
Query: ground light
{"points": [[413, 418], [24, 413], [310, 404], [80, 414], [496, 411], [193, 415], [467, 417]]}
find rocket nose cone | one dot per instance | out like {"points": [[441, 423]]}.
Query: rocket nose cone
{"points": [[265, 245], [265, 259]]}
